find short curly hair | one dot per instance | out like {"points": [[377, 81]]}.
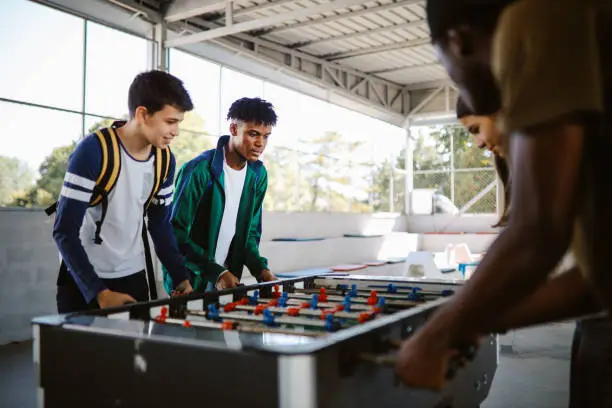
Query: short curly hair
{"points": [[254, 110]]}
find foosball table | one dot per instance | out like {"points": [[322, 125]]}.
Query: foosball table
{"points": [[317, 341]]}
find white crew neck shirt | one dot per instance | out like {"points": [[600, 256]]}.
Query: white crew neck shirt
{"points": [[121, 252], [233, 184]]}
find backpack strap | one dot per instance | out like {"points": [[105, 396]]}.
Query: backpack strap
{"points": [[51, 209], [109, 174], [162, 168], [111, 164]]}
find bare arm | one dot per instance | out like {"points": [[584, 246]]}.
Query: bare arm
{"points": [[546, 164], [564, 297]]}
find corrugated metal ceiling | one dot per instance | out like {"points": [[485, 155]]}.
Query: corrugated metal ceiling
{"points": [[369, 37]]}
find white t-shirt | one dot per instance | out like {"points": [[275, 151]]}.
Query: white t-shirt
{"points": [[121, 252], [233, 183]]}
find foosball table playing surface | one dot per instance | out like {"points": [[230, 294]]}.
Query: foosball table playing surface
{"points": [[318, 341]]}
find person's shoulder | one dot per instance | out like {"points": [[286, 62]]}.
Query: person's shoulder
{"points": [[259, 169], [263, 169], [88, 146], [199, 164], [523, 14], [203, 160], [538, 39]]}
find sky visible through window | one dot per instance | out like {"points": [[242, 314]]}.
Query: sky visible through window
{"points": [[43, 64]]}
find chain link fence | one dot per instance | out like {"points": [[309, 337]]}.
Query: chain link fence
{"points": [[471, 191]]}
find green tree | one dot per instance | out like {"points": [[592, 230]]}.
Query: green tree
{"points": [[331, 175], [53, 168], [381, 189], [15, 178], [192, 139], [189, 145], [284, 182], [49, 185]]}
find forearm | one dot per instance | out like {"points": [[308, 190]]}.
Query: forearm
{"points": [[563, 297], [516, 264], [84, 167], [254, 261]]}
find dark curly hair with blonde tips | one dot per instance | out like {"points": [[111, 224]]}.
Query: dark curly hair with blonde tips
{"points": [[253, 110]]}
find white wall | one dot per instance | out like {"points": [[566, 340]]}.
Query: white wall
{"points": [[29, 260], [328, 225], [28, 271], [451, 223], [334, 249]]}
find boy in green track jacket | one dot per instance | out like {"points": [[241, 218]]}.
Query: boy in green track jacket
{"points": [[217, 209]]}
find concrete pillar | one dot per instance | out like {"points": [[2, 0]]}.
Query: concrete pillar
{"points": [[409, 167], [160, 55]]}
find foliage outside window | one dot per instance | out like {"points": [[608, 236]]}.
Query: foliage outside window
{"points": [[447, 160]]}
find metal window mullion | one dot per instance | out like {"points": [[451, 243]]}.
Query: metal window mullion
{"points": [[452, 166], [409, 169], [84, 90], [392, 185]]}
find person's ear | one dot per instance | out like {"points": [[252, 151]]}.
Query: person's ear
{"points": [[233, 129], [461, 41], [141, 115]]}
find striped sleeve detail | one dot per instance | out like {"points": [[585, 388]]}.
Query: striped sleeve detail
{"points": [[77, 187], [84, 166], [165, 192], [165, 195], [79, 181], [162, 201], [74, 194]]}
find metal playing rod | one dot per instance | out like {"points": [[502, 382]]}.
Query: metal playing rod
{"points": [[261, 319], [403, 303], [304, 311], [322, 304], [397, 295], [246, 328]]}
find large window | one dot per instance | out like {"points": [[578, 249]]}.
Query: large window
{"points": [[235, 85], [42, 55], [46, 105], [322, 157], [451, 172], [35, 146], [202, 80], [64, 76], [113, 60]]}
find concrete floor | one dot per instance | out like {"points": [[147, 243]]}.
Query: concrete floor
{"points": [[534, 374]]}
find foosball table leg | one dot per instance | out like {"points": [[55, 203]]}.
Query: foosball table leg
{"points": [[178, 309], [140, 313], [309, 283], [239, 293], [289, 287], [265, 292]]}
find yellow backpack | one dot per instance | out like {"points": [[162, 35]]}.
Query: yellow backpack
{"points": [[107, 179]]}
